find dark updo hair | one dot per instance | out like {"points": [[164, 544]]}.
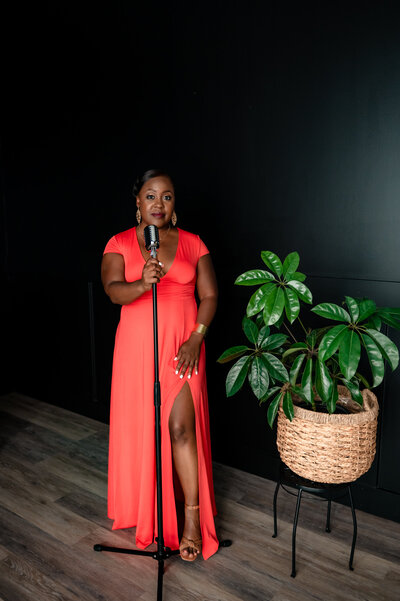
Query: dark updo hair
{"points": [[142, 179]]}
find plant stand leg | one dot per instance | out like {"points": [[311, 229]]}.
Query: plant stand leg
{"points": [[353, 544], [296, 517], [328, 516], [275, 534]]}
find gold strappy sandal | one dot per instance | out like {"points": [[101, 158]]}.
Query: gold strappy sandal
{"points": [[189, 543]]}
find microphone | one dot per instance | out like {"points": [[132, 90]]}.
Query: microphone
{"points": [[151, 239]]}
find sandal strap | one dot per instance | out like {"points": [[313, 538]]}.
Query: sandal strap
{"points": [[190, 542], [192, 506]]}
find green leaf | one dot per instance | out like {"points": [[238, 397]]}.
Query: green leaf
{"points": [[290, 265], [387, 347], [297, 347], [323, 381], [300, 277], [272, 261], [259, 377], [363, 380], [275, 367], [274, 306], [287, 405], [366, 308], [374, 322], [232, 353], [349, 353], [331, 311], [237, 375], [390, 320], [263, 335], [299, 392], [306, 381], [274, 341], [254, 277], [250, 329], [331, 341], [257, 300], [292, 304], [354, 389], [273, 409], [259, 320], [302, 291], [331, 402], [353, 308], [269, 394], [375, 360], [294, 372]]}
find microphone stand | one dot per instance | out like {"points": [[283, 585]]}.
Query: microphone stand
{"points": [[162, 552]]}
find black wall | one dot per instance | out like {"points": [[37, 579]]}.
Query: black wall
{"points": [[280, 123]]}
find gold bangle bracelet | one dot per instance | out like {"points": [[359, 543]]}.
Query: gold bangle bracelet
{"points": [[200, 329]]}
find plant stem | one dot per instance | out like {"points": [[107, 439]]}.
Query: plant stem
{"points": [[292, 335], [301, 323]]}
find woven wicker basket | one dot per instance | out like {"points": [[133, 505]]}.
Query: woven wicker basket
{"points": [[330, 448]]}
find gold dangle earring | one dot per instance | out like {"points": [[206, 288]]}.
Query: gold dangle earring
{"points": [[174, 219], [138, 216]]}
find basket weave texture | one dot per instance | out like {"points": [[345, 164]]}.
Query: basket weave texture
{"points": [[328, 448]]}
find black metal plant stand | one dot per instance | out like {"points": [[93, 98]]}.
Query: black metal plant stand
{"points": [[162, 553], [325, 492]]}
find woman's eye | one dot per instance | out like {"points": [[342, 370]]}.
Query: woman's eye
{"points": [[167, 197], [150, 196]]}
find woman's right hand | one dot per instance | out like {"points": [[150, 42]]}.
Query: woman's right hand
{"points": [[152, 273]]}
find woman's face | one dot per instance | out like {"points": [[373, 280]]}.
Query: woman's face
{"points": [[156, 201]]}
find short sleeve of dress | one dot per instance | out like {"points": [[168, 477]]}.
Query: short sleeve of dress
{"points": [[203, 250], [113, 246]]}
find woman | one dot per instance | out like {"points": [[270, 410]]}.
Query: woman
{"points": [[128, 273]]}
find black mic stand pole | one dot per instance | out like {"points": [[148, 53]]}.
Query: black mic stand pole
{"points": [[162, 552]]}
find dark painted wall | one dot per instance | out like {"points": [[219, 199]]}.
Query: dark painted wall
{"points": [[281, 125]]}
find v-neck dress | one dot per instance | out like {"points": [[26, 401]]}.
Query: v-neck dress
{"points": [[131, 470]]}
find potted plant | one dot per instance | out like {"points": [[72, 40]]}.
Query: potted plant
{"points": [[308, 378]]}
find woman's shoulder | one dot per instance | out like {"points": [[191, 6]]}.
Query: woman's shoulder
{"points": [[125, 235], [193, 242], [189, 237]]}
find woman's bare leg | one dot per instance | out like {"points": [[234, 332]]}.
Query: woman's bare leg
{"points": [[182, 429]]}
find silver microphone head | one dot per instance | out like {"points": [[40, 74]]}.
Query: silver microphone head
{"points": [[151, 237]]}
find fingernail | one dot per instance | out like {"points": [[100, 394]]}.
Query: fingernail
{"points": [[176, 372], [181, 376], [197, 373], [189, 377], [176, 359]]}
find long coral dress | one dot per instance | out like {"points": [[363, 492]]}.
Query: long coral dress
{"points": [[131, 470]]}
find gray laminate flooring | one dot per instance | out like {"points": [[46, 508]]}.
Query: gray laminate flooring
{"points": [[53, 476]]}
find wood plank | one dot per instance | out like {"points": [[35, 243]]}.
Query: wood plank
{"points": [[77, 471]]}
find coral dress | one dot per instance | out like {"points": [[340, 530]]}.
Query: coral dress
{"points": [[131, 470]]}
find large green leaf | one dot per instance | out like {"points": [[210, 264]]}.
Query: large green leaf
{"points": [[292, 304], [275, 367], [257, 300], [388, 348], [269, 394], [353, 308], [250, 329], [287, 405], [391, 319], [272, 261], [290, 265], [349, 353], [259, 377], [331, 341], [302, 291], [366, 308], [254, 277], [295, 369], [300, 277], [331, 402], [237, 375], [375, 359], [354, 389], [323, 381], [273, 409], [331, 311], [274, 306], [374, 322], [306, 381], [233, 353], [274, 341]]}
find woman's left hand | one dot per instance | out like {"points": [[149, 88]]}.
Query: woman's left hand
{"points": [[188, 356]]}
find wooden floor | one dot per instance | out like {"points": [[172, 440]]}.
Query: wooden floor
{"points": [[53, 474]]}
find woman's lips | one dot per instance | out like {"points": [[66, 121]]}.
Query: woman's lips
{"points": [[157, 215]]}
